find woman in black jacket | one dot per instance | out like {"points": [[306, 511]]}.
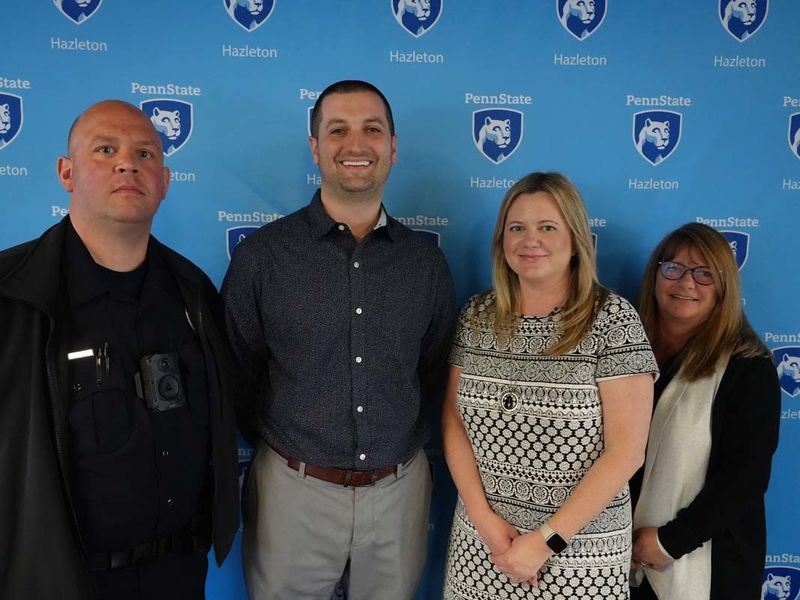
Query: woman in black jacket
{"points": [[699, 524]]}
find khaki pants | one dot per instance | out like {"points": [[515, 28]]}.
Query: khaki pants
{"points": [[299, 532]]}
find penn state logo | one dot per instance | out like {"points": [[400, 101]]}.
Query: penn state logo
{"points": [[10, 118], [656, 134], [780, 583], [794, 134], [497, 132], [173, 121], [740, 245], [78, 11], [417, 17], [236, 235], [581, 18], [743, 18], [432, 236], [249, 14], [787, 361]]}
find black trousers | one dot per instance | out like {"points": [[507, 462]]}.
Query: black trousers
{"points": [[170, 577], [643, 592]]}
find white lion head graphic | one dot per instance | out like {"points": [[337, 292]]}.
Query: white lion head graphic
{"points": [[743, 10], [421, 9], [796, 142], [654, 132], [5, 118], [776, 587], [789, 367], [583, 9], [496, 131], [254, 7], [79, 3], [167, 122]]}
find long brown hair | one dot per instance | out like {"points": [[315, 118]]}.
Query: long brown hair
{"points": [[726, 331], [585, 293]]}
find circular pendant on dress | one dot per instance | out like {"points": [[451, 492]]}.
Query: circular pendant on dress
{"points": [[509, 402]]}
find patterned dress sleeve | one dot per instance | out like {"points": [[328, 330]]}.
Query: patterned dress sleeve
{"points": [[623, 346]]}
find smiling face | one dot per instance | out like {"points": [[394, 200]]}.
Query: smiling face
{"points": [[115, 170], [354, 148], [537, 242], [683, 301]]}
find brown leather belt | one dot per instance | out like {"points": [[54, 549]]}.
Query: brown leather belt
{"points": [[345, 477]]}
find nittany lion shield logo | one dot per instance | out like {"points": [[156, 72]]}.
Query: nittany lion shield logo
{"points": [[432, 236], [236, 235], [656, 134], [10, 118], [417, 17], [249, 14], [787, 360], [497, 132], [78, 11], [794, 134], [742, 18], [780, 583], [740, 244], [581, 18], [172, 119]]}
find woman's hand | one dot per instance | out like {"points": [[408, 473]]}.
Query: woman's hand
{"points": [[495, 531], [646, 552], [521, 562]]}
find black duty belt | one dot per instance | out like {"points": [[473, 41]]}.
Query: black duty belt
{"points": [[192, 539]]}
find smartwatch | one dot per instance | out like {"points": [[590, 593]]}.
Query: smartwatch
{"points": [[554, 541]]}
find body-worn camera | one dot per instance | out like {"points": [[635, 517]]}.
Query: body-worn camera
{"points": [[159, 383]]}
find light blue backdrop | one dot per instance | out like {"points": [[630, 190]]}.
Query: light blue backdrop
{"points": [[564, 96]]}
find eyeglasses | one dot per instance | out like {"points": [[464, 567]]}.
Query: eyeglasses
{"points": [[674, 271]]}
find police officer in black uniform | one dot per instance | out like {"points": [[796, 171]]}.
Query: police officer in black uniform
{"points": [[122, 412]]}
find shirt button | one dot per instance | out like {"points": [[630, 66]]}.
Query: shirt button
{"points": [[356, 264], [170, 502], [360, 409], [362, 456], [342, 226], [358, 359], [359, 311]]}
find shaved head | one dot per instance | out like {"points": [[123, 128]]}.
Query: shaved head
{"points": [[99, 107]]}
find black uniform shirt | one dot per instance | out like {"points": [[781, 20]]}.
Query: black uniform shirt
{"points": [[137, 475]]}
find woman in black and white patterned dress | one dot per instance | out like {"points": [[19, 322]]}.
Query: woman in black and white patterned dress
{"points": [[546, 413]]}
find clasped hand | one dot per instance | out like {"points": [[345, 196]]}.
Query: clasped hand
{"points": [[517, 556], [646, 552]]}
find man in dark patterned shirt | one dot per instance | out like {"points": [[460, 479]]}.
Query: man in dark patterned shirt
{"points": [[340, 318]]}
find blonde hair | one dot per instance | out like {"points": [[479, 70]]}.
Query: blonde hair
{"points": [[585, 293], [726, 331]]}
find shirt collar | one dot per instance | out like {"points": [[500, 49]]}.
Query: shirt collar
{"points": [[85, 278], [322, 223]]}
